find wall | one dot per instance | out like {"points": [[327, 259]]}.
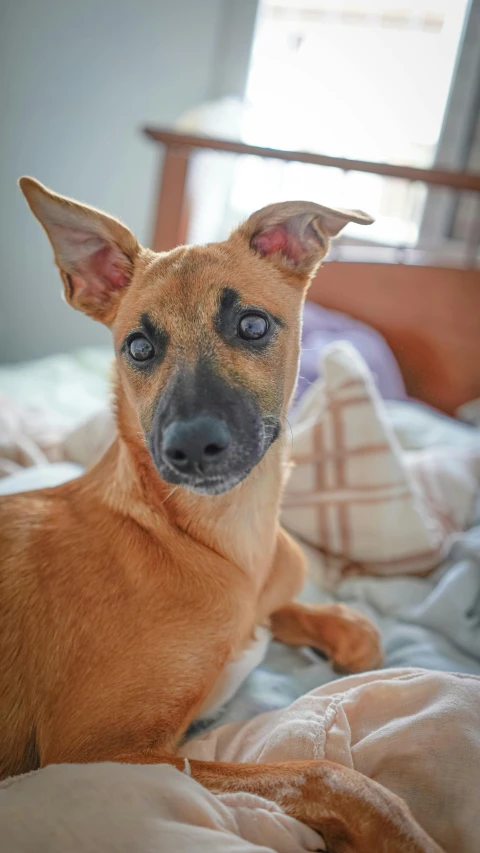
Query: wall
{"points": [[79, 80]]}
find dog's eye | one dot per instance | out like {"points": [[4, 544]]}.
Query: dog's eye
{"points": [[252, 327], [140, 348]]}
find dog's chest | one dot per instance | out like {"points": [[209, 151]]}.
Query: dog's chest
{"points": [[234, 674]]}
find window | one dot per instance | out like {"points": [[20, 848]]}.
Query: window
{"points": [[365, 79]]}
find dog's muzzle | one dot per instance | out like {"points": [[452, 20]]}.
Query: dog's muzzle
{"points": [[207, 435]]}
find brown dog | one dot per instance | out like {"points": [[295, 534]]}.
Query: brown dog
{"points": [[126, 593]]}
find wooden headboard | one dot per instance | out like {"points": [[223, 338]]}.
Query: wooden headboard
{"points": [[430, 315]]}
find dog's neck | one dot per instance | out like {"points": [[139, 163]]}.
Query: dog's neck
{"points": [[240, 525]]}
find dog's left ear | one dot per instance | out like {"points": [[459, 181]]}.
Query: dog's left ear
{"points": [[95, 253], [295, 235]]}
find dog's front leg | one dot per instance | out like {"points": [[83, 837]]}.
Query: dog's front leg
{"points": [[351, 812], [344, 635], [286, 577]]}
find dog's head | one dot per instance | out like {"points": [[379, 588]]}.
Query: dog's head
{"points": [[206, 337]]}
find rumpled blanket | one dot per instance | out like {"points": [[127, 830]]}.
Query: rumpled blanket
{"points": [[414, 731]]}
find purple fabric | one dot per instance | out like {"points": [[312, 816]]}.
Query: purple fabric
{"points": [[322, 326]]}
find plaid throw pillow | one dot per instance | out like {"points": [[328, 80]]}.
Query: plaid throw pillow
{"points": [[371, 507]]}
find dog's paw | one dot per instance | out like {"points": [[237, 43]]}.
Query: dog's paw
{"points": [[353, 641]]}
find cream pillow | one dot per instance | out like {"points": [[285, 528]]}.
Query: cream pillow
{"points": [[356, 495]]}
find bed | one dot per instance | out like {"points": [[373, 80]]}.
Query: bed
{"points": [[409, 335], [54, 419]]}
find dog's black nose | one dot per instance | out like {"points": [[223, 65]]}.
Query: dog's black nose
{"points": [[195, 445]]}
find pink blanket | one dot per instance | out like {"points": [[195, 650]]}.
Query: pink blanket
{"points": [[416, 732]]}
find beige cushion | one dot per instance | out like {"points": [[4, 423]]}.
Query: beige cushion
{"points": [[355, 494]]}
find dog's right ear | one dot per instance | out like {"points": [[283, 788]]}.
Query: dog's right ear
{"points": [[94, 252]]}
